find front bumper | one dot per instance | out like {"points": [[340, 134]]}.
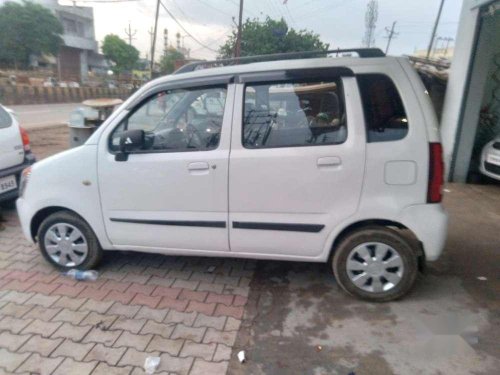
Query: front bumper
{"points": [[490, 170], [16, 170]]}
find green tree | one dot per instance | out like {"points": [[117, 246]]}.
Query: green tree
{"points": [[123, 55], [271, 36], [27, 29], [167, 62]]}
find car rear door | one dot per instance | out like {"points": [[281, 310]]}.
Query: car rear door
{"points": [[296, 163]]}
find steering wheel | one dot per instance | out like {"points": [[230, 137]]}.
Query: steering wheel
{"points": [[193, 134]]}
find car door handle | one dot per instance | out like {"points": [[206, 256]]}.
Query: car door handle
{"points": [[198, 166], [329, 161]]}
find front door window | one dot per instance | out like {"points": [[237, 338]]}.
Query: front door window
{"points": [[177, 120]]}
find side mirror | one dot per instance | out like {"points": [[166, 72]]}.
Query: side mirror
{"points": [[130, 140]]}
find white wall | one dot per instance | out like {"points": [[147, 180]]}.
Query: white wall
{"points": [[486, 47], [465, 89], [457, 80]]}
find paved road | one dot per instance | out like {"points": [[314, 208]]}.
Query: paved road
{"points": [[40, 115], [297, 321]]}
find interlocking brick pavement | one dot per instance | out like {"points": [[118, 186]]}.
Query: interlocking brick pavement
{"points": [[141, 305]]}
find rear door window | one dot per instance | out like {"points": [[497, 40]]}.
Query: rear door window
{"points": [[385, 115], [5, 119], [294, 114]]}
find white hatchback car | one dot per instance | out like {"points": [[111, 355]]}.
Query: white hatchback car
{"points": [[490, 159], [15, 155], [314, 159]]}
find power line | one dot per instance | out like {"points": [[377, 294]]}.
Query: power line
{"points": [[105, 1], [189, 19], [304, 4], [183, 28], [216, 9], [224, 35], [315, 14], [272, 7], [290, 14], [246, 10]]}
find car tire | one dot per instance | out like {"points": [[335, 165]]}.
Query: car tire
{"points": [[78, 247], [376, 264]]}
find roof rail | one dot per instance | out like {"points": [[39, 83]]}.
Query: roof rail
{"points": [[362, 52]]}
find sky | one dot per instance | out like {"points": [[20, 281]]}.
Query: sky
{"points": [[338, 22]]}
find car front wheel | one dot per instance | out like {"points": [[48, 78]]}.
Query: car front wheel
{"points": [[67, 241], [376, 264]]}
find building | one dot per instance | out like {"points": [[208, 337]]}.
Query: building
{"points": [[471, 111], [80, 52]]}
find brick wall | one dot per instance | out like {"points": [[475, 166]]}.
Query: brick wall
{"points": [[15, 95]]}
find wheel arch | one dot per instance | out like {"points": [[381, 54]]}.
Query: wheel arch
{"points": [[365, 223], [42, 214]]}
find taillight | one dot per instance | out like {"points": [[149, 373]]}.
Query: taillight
{"points": [[25, 176], [26, 139], [436, 171]]}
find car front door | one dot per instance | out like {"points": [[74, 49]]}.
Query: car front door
{"points": [[296, 164], [172, 194]]}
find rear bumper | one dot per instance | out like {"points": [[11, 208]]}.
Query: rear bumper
{"points": [[16, 170], [429, 222]]}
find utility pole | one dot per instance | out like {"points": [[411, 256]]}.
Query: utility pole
{"points": [[153, 44], [130, 34], [150, 32], [237, 52], [435, 50], [431, 42], [448, 40], [371, 17], [165, 41], [390, 34]]}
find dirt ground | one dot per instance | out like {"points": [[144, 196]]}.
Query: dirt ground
{"points": [[48, 141]]}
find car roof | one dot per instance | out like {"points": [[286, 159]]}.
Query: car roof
{"points": [[217, 75], [256, 67]]}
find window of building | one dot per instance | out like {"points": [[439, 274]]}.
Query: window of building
{"points": [[177, 120], [385, 115], [70, 26], [294, 114]]}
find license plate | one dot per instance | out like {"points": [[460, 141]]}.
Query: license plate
{"points": [[7, 183], [493, 159]]}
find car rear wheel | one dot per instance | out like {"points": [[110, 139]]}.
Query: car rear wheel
{"points": [[67, 241], [376, 264]]}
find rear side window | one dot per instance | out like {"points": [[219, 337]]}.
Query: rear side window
{"points": [[294, 114], [385, 115], [5, 119]]}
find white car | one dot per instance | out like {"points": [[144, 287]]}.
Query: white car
{"points": [[315, 160], [15, 155], [490, 159]]}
